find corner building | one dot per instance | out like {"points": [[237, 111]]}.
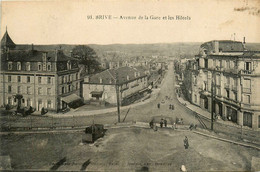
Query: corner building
{"points": [[232, 74], [48, 79]]}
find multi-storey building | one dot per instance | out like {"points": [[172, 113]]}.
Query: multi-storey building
{"points": [[132, 83], [48, 79], [232, 74]]}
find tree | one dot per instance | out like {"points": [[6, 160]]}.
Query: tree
{"points": [[87, 57]]}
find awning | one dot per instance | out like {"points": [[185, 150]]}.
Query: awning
{"points": [[96, 93], [70, 98]]}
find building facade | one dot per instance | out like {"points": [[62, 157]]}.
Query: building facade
{"points": [[48, 79], [131, 83], [232, 74]]}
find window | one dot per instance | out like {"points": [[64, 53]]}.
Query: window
{"points": [[247, 99], [227, 93], [247, 85], [228, 64], [29, 90], [28, 79], [63, 79], [62, 90], [49, 91], [77, 85], [39, 66], [49, 67], [18, 65], [18, 78], [28, 66], [40, 91], [9, 78], [29, 102], [69, 88], [49, 80], [10, 65], [49, 104], [9, 89], [68, 65], [235, 96], [217, 79], [19, 89], [248, 66], [39, 80], [76, 76]]}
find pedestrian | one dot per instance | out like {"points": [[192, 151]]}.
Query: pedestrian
{"points": [[186, 142], [161, 123], [42, 111], [151, 124], [172, 107], [158, 105], [165, 122]]}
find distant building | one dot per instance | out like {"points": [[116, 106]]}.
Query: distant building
{"points": [[235, 75], [46, 79], [102, 86]]}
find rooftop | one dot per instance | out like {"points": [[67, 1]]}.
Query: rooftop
{"points": [[109, 76]]}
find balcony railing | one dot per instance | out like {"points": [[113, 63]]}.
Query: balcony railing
{"points": [[247, 90], [247, 72]]}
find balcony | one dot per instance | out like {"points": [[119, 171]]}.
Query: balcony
{"points": [[247, 90], [247, 72]]}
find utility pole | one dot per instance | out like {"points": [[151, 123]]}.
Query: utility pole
{"points": [[117, 96], [212, 102]]}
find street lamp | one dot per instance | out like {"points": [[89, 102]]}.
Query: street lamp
{"points": [[212, 101]]}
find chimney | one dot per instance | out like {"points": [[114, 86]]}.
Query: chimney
{"points": [[216, 46], [100, 80], [32, 47], [244, 41], [71, 54], [86, 79]]}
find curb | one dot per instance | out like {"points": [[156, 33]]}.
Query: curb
{"points": [[226, 140]]}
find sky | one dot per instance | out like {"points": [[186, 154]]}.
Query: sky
{"points": [[66, 21]]}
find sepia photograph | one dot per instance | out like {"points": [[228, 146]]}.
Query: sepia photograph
{"points": [[130, 85]]}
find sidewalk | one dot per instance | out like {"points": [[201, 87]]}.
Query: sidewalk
{"points": [[205, 113], [75, 112]]}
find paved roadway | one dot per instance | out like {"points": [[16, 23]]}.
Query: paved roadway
{"points": [[140, 113]]}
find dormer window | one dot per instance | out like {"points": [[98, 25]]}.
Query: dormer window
{"points": [[68, 65], [18, 65], [100, 80], [10, 65], [28, 66], [39, 66]]}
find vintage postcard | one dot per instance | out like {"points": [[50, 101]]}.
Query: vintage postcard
{"points": [[133, 85]]}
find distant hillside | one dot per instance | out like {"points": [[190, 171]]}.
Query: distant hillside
{"points": [[132, 50]]}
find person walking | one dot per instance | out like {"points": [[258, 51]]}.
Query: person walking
{"points": [[172, 107], [158, 105], [186, 142], [165, 122], [161, 123]]}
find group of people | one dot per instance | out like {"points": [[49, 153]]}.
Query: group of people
{"points": [[163, 122], [171, 107]]}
